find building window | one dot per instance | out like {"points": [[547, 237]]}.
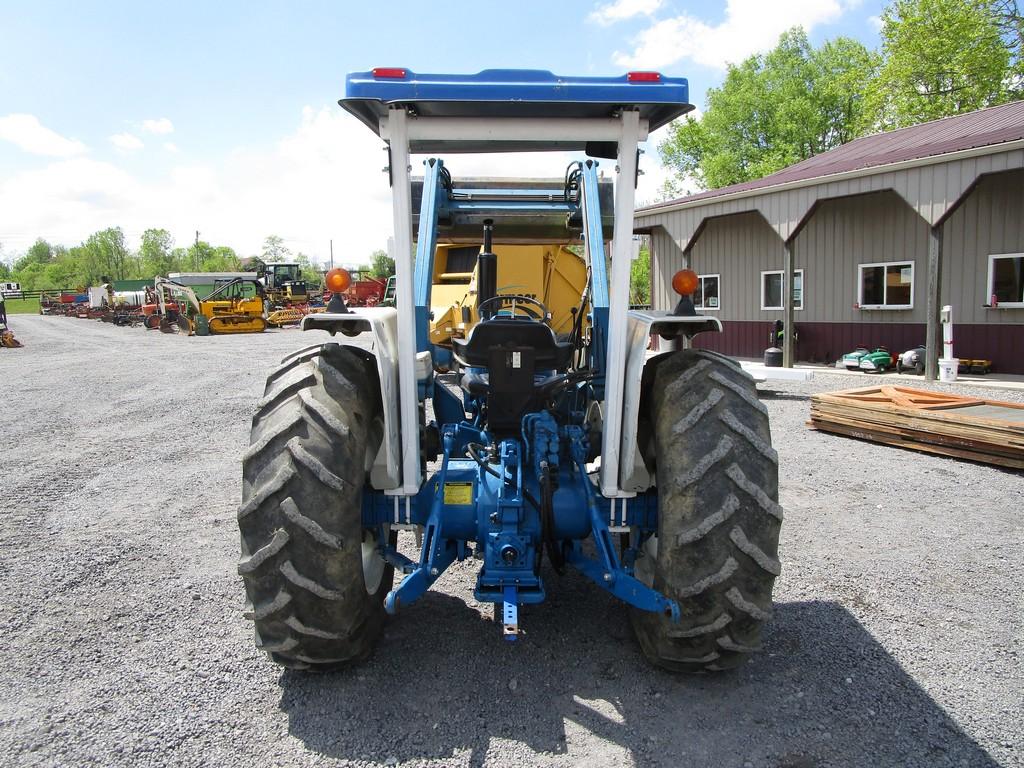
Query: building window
{"points": [[706, 295], [1006, 280], [771, 289], [888, 285]]}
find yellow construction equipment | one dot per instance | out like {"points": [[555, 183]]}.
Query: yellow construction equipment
{"points": [[237, 306], [553, 274], [291, 315]]}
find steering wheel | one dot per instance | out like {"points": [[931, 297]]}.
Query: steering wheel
{"points": [[519, 305]]}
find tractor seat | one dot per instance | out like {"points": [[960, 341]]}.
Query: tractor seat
{"points": [[549, 354]]}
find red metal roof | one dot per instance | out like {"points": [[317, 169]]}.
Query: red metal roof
{"points": [[985, 127]]}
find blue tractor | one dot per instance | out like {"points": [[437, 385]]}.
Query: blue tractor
{"points": [[523, 432]]}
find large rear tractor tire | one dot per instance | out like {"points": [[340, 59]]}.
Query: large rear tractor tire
{"points": [[716, 550], [314, 581]]}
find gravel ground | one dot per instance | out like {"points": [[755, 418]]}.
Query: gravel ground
{"points": [[896, 639]]}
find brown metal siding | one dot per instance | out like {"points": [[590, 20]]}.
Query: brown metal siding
{"points": [[738, 248], [989, 221], [1003, 344], [844, 233], [816, 342], [839, 235], [827, 342]]}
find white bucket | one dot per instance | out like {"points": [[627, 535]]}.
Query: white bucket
{"points": [[947, 369]]}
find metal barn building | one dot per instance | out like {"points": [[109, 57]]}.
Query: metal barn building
{"points": [[875, 236]]}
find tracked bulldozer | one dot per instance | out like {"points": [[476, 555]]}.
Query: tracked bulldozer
{"points": [[237, 306]]}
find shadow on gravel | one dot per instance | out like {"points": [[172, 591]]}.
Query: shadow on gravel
{"points": [[443, 684], [776, 394]]}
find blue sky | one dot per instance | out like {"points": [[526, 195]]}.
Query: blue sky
{"points": [[222, 116]]}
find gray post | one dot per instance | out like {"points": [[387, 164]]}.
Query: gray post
{"points": [[933, 337], [787, 303]]}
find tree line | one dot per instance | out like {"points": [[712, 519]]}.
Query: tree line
{"points": [[48, 266], [937, 58]]}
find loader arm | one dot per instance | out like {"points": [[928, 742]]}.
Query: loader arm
{"points": [[162, 283]]}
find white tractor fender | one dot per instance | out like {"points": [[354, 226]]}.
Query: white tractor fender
{"points": [[382, 323], [633, 474]]}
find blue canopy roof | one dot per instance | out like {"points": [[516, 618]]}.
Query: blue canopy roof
{"points": [[514, 93]]}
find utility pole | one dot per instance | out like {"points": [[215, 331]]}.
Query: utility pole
{"points": [[195, 252], [332, 253]]}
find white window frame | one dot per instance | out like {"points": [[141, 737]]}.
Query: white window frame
{"points": [[991, 288], [885, 286], [797, 307], [701, 306]]}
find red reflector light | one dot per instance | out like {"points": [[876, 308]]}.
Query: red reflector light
{"points": [[643, 77], [392, 72]]}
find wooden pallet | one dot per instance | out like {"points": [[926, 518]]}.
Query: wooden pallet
{"points": [[989, 431]]}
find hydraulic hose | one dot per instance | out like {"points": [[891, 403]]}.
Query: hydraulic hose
{"points": [[547, 520]]}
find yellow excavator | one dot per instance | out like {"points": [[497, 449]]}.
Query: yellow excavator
{"points": [[238, 306]]}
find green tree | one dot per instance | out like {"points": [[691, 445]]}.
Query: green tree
{"points": [[1011, 26], [182, 259], [218, 259], [308, 271], [40, 252], [381, 265], [274, 249], [157, 253], [773, 110], [31, 277], [841, 71], [640, 277], [106, 255], [945, 57], [64, 272]]}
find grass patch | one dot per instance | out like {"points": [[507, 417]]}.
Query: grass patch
{"points": [[22, 306]]}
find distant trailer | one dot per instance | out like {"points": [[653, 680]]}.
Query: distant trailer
{"points": [[11, 290]]}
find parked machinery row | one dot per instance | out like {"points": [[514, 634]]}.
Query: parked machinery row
{"points": [[236, 305]]}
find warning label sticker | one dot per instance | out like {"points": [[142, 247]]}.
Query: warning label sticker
{"points": [[458, 493]]}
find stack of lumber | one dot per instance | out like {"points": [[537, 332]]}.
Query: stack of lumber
{"points": [[989, 431]]}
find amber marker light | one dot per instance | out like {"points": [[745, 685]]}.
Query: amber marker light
{"points": [[684, 282], [338, 280]]}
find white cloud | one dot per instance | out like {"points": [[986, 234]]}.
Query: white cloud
{"points": [[127, 142], [170, 146], [28, 134], [620, 10], [323, 181], [876, 23], [161, 126], [749, 26]]}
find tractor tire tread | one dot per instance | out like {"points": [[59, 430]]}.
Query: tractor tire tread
{"points": [[718, 513], [301, 516]]}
